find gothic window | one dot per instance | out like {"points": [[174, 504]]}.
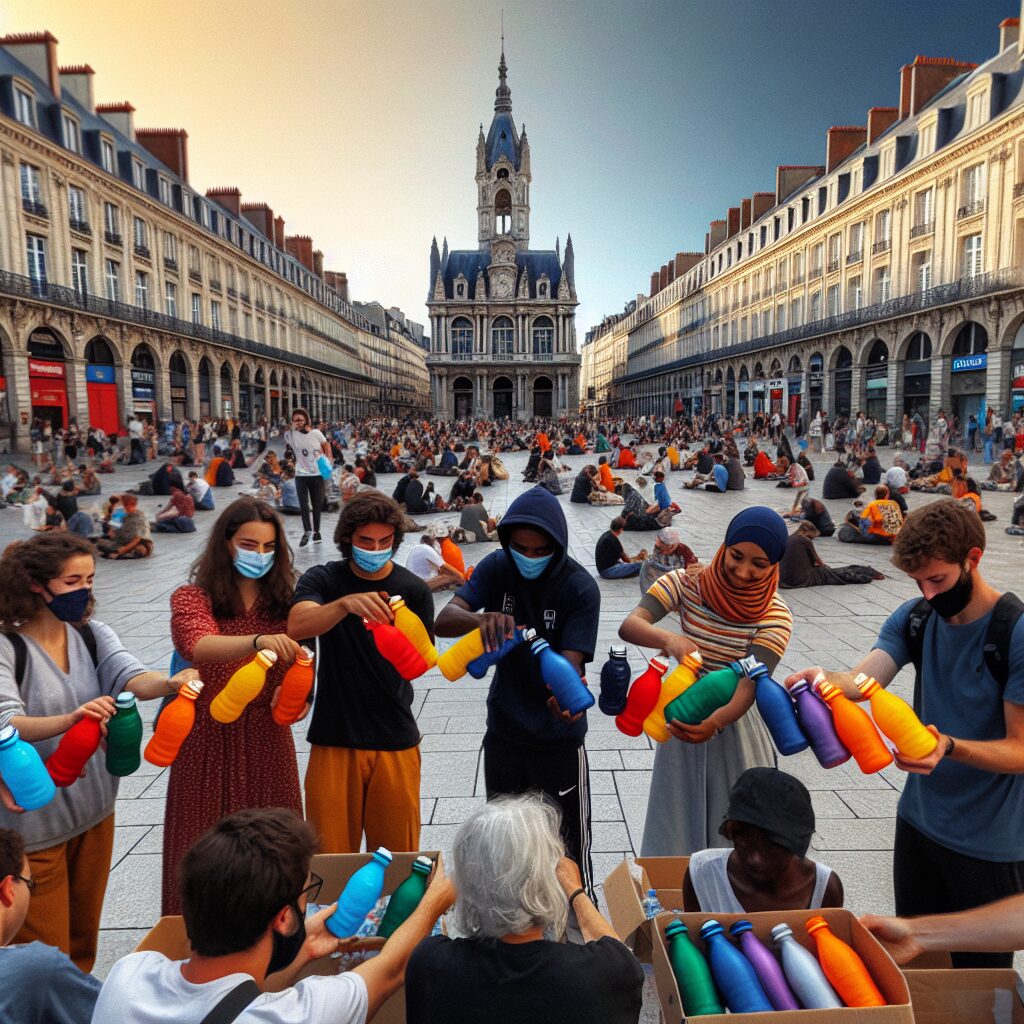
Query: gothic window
{"points": [[543, 336], [460, 290], [542, 290], [502, 174], [503, 212], [462, 337], [502, 336]]}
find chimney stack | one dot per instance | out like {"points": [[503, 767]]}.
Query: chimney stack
{"points": [[790, 177], [318, 263], [717, 234], [228, 197], [301, 247], [686, 261], [120, 117], [261, 217], [168, 145], [655, 277], [920, 81], [1009, 32], [840, 142], [279, 232], [762, 203], [734, 221], [38, 52], [77, 82], [879, 120]]}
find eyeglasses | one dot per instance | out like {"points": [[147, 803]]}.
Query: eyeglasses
{"points": [[30, 883], [312, 891]]}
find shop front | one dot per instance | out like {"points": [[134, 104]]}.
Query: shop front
{"points": [[758, 396], [816, 384], [876, 381], [744, 409], [144, 394], [967, 388], [1017, 372], [48, 386], [101, 387], [777, 396]]}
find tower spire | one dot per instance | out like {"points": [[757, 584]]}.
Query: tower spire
{"points": [[503, 94]]}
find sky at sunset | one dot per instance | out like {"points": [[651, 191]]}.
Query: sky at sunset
{"points": [[357, 122]]}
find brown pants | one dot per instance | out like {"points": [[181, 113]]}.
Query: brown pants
{"points": [[65, 907], [352, 791]]}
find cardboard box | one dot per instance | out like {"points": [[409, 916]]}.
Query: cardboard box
{"points": [[624, 896], [844, 925], [966, 997], [168, 936]]}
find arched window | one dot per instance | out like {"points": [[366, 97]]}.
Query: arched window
{"points": [[462, 337], [543, 336], [98, 351], [502, 212], [502, 336], [971, 340]]}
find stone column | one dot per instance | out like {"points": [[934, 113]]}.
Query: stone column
{"points": [[894, 394], [997, 380], [939, 396], [192, 404], [77, 392]]}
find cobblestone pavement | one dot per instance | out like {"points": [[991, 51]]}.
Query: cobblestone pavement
{"points": [[834, 626]]}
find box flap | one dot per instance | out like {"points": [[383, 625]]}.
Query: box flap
{"points": [[624, 896], [966, 996]]}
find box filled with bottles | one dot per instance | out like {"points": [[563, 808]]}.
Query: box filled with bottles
{"points": [[786, 963], [967, 997], [626, 892]]}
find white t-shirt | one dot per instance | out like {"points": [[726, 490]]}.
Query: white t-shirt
{"points": [[308, 448], [424, 561], [147, 988]]}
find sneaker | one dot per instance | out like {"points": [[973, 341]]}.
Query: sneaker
{"points": [[1015, 531], [304, 541], [317, 538]]}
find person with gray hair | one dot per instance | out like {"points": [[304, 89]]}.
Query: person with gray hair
{"points": [[669, 553], [515, 890]]}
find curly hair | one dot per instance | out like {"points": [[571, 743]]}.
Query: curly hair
{"points": [[942, 530], [12, 853], [368, 507], [37, 560]]}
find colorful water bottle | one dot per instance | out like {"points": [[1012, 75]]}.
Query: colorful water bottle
{"points": [[651, 904], [766, 967], [479, 667], [295, 688], [693, 976], [843, 967], [359, 895], [706, 696], [680, 679], [855, 729], [777, 712], [803, 972], [455, 660], [412, 626], [76, 746], [733, 973], [615, 677], [124, 737], [395, 647], [896, 719], [816, 724], [242, 688], [642, 697], [406, 898], [23, 770], [173, 726], [562, 678]]}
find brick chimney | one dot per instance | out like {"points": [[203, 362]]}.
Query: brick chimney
{"points": [[663, 277], [790, 177], [261, 217], [1009, 32], [920, 81], [717, 233], [77, 81], [120, 117], [38, 52], [168, 145], [762, 203], [318, 263], [301, 247], [228, 197], [337, 281], [734, 221], [880, 119], [840, 142], [686, 261], [707, 242], [655, 287], [279, 232], [746, 210]]}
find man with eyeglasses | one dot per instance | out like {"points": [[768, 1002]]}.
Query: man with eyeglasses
{"points": [[244, 888], [38, 983]]}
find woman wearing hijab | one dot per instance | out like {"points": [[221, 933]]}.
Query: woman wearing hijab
{"points": [[727, 610]]}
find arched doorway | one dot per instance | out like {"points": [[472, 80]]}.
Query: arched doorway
{"points": [[842, 381], [178, 370], [815, 382], [968, 374], [876, 380], [730, 392], [542, 397], [502, 392], [462, 398], [47, 377], [795, 393], [917, 374], [205, 375], [144, 383], [244, 394], [744, 392], [259, 395], [101, 385], [227, 391]]}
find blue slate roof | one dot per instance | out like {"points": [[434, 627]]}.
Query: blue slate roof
{"points": [[469, 262], [502, 140]]}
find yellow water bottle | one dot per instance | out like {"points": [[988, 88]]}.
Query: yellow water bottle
{"points": [[410, 624], [454, 662], [242, 688], [681, 678]]}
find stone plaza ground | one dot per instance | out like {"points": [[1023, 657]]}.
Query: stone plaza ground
{"points": [[834, 627]]}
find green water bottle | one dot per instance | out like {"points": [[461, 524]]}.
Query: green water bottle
{"points": [[406, 898], [706, 696], [696, 987], [124, 737]]}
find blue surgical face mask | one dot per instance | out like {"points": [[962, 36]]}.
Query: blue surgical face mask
{"points": [[253, 565], [371, 561], [529, 568], [70, 606]]}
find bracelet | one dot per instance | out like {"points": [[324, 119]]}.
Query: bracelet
{"points": [[255, 640], [950, 746], [572, 898]]}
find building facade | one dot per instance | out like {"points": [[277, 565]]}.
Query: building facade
{"points": [[888, 280], [503, 315], [123, 290]]}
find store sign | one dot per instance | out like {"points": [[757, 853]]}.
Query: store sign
{"points": [[777, 382], [1018, 370], [97, 373], [817, 380], [963, 364], [796, 385], [143, 377], [180, 393], [776, 393], [878, 384], [40, 369]]}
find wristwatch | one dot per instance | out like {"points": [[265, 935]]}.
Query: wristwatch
{"points": [[950, 746]]}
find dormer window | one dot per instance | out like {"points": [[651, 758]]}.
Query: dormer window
{"points": [[460, 290], [138, 174], [926, 138], [24, 106], [107, 155], [72, 134], [976, 109], [542, 290]]}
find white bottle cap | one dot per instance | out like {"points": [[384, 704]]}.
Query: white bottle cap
{"points": [[271, 656], [384, 852]]}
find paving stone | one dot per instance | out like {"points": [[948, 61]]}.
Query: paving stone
{"points": [[455, 810], [609, 836], [115, 943], [871, 803], [854, 834], [605, 808]]}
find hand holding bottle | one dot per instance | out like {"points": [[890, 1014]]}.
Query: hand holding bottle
{"points": [[370, 605], [100, 708], [924, 765], [286, 649], [495, 628], [7, 800]]}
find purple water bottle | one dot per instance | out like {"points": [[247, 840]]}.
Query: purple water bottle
{"points": [[766, 967], [816, 723]]}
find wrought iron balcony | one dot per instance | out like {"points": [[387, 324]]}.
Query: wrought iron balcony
{"points": [[882, 246], [81, 227], [833, 266], [214, 285], [232, 292], [35, 208], [815, 273], [170, 263], [970, 209], [142, 250], [112, 238], [195, 276], [919, 230], [855, 257]]}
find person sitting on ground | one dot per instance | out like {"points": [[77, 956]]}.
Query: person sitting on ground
{"points": [[90, 485], [413, 495], [200, 491], [751, 452], [462, 490], [669, 553], [941, 481], [587, 481], [516, 889], [547, 475], [244, 886], [734, 469], [801, 566], [663, 503], [478, 525], [65, 502], [878, 522], [219, 473], [426, 562], [839, 482], [39, 984], [263, 489], [814, 512], [610, 557], [627, 459], [236, 457], [718, 480], [177, 515], [796, 479], [288, 503], [764, 468], [871, 468], [1001, 475], [634, 506], [769, 822], [1016, 527], [608, 479], [132, 539], [807, 464], [348, 483]]}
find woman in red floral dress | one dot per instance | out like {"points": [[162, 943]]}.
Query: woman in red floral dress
{"points": [[235, 604]]}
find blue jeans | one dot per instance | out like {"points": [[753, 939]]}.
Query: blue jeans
{"points": [[988, 448], [180, 524], [621, 571]]}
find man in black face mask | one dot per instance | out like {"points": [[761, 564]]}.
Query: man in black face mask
{"points": [[244, 887], [959, 836]]}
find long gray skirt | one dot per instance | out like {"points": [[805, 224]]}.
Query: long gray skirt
{"points": [[691, 783]]}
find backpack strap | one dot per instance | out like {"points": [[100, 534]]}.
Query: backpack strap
{"points": [[17, 641], [234, 1004], [999, 634], [916, 623]]}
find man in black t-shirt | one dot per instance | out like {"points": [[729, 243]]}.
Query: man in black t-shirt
{"points": [[838, 483], [610, 557], [364, 765]]}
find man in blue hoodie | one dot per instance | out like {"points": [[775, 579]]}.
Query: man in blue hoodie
{"points": [[531, 743]]}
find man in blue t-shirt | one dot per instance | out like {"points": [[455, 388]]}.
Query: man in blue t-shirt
{"points": [[959, 841], [531, 743]]}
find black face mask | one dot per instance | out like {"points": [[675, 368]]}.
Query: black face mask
{"points": [[286, 947], [953, 601]]}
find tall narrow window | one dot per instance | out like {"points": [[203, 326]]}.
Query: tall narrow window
{"points": [[141, 289], [112, 280], [76, 209], [72, 134], [138, 174], [80, 272], [25, 107], [215, 314], [35, 254], [883, 285], [31, 187], [972, 256], [171, 299], [197, 308], [107, 155]]}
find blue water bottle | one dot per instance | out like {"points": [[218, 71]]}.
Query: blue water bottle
{"points": [[615, 679], [359, 896], [562, 679], [733, 973], [777, 712], [23, 770], [479, 667]]}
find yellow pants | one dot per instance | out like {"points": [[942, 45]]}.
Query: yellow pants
{"points": [[349, 792], [65, 907]]}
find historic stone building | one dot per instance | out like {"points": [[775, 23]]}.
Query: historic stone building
{"points": [[888, 280], [503, 315]]}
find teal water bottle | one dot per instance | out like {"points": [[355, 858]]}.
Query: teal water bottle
{"points": [[406, 898], [707, 695], [124, 737], [359, 895], [23, 770], [692, 973]]}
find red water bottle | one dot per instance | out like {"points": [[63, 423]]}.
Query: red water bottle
{"points": [[76, 746], [642, 697], [397, 648]]}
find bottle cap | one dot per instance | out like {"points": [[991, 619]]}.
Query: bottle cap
{"points": [[538, 645], [781, 931], [529, 634], [826, 690], [660, 665], [195, 686], [307, 653], [799, 688], [270, 656], [675, 927], [396, 600], [125, 700], [818, 680], [693, 659], [865, 683], [617, 650], [422, 865], [740, 927], [8, 733], [652, 893], [383, 853], [709, 928], [815, 924]]}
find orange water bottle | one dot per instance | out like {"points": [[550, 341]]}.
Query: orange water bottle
{"points": [[173, 725], [843, 967], [855, 728], [454, 662], [242, 688], [896, 719], [681, 678], [295, 687], [409, 623]]}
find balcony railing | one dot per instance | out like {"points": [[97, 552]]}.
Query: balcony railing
{"points": [[35, 208], [919, 230], [815, 273], [855, 257], [170, 263], [142, 250], [112, 238], [195, 276], [79, 226], [882, 246], [244, 297], [783, 286], [504, 357], [970, 209], [214, 285], [1018, 190], [833, 266], [798, 279]]}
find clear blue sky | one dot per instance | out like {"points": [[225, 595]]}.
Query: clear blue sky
{"points": [[357, 121]]}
